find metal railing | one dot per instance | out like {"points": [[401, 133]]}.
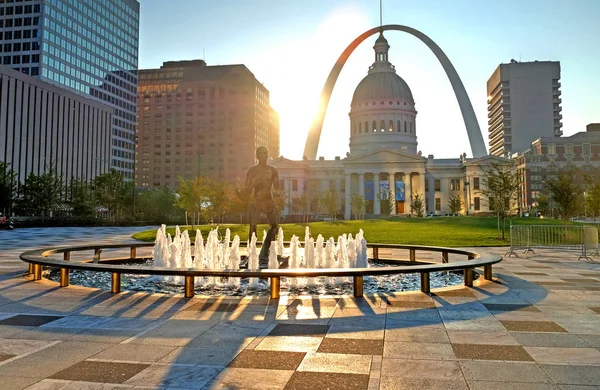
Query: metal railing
{"points": [[38, 259], [578, 238]]}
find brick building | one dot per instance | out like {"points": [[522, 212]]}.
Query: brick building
{"points": [[204, 120]]}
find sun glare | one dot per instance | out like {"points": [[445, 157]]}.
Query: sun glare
{"points": [[308, 63]]}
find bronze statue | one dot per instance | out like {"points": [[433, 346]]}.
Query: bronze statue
{"points": [[260, 180]]}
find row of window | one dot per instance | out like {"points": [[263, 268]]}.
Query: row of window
{"points": [[20, 9], [19, 22], [20, 47], [358, 127], [18, 34]]}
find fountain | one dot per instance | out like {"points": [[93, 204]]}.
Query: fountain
{"points": [[176, 252]]}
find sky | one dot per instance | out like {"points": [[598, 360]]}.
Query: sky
{"points": [[291, 45]]}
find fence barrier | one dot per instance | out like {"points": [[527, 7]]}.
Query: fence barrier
{"points": [[579, 238]]}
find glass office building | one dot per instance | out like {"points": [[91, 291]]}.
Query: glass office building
{"points": [[87, 46]]}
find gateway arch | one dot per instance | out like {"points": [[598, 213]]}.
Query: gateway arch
{"points": [[475, 138]]}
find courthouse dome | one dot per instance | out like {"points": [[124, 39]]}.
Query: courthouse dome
{"points": [[378, 85]]}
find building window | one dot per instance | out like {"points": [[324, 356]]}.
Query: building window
{"points": [[410, 129], [475, 183], [438, 204], [477, 203], [569, 149], [295, 185], [398, 128], [382, 126], [391, 127], [366, 127], [587, 150], [360, 128], [438, 185], [405, 127], [374, 126], [454, 184], [551, 149]]}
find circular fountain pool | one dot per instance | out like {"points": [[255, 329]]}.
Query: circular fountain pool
{"points": [[323, 286]]}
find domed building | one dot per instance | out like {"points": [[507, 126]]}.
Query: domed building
{"points": [[383, 166]]}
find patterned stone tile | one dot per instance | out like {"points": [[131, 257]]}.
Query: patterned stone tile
{"points": [[104, 372], [408, 350], [351, 346], [454, 293], [355, 332], [435, 370], [504, 372], [573, 374], [490, 352], [206, 356], [29, 320], [564, 355], [482, 338], [250, 379], [530, 274], [510, 307], [270, 360], [532, 326], [334, 362], [304, 380], [174, 376], [399, 383], [487, 385], [417, 335], [289, 343], [4, 357], [528, 339], [595, 309], [299, 330], [135, 352]]}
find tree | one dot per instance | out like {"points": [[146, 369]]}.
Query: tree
{"points": [[329, 201], [238, 201], [82, 199], [543, 204], [358, 204], [500, 189], [592, 201], [279, 197], [156, 204], [113, 192], [565, 193], [189, 197], [417, 204], [8, 187], [300, 205], [387, 201], [455, 204], [40, 195], [216, 199]]}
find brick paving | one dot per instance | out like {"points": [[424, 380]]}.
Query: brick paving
{"points": [[536, 326]]}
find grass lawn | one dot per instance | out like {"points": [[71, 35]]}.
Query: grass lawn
{"points": [[443, 231]]}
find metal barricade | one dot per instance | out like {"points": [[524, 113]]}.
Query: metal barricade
{"points": [[579, 238]]}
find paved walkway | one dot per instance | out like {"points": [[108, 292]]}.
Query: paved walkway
{"points": [[537, 326]]}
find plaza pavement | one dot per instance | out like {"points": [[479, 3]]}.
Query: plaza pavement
{"points": [[537, 326]]}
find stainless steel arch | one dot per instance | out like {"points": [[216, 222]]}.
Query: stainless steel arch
{"points": [[473, 131]]}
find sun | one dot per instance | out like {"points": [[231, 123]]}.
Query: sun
{"points": [[307, 62]]}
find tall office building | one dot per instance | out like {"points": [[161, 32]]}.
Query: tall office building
{"points": [[523, 105], [89, 47], [201, 120]]}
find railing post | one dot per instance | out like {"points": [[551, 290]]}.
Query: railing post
{"points": [[412, 255], [358, 286], [64, 272], [97, 253], [189, 286], [115, 287], [275, 284], [375, 253], [425, 285], [469, 277], [132, 253], [487, 272], [444, 257], [37, 272], [64, 277]]}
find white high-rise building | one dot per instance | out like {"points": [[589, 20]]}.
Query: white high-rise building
{"points": [[523, 105]]}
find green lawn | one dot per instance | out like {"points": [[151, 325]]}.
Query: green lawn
{"points": [[443, 231]]}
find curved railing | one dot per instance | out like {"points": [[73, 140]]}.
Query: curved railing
{"points": [[38, 259]]}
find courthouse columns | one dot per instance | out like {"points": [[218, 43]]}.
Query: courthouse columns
{"points": [[347, 195], [376, 194], [361, 184], [408, 191], [392, 181]]}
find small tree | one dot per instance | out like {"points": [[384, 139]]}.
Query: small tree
{"points": [[113, 192], [238, 201], [358, 204], [388, 202], [188, 198], [279, 197], [543, 204], [500, 188], [41, 194], [300, 206], [417, 204], [455, 204], [82, 199], [592, 202], [329, 201], [8, 187], [565, 193]]}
